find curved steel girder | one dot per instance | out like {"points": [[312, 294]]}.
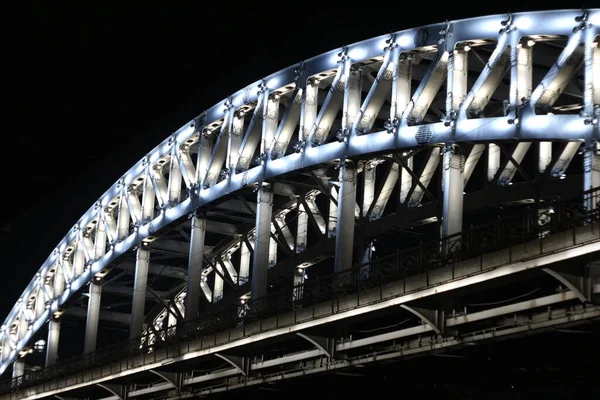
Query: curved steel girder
{"points": [[235, 361], [428, 316], [169, 377], [319, 343], [112, 389], [574, 283], [530, 127]]}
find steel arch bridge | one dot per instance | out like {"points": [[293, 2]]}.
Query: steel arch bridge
{"points": [[311, 167]]}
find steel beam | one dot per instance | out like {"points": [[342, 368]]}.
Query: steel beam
{"points": [[401, 83], [427, 89], [378, 92], [471, 162], [591, 174], [195, 263], [139, 292], [52, 342], [92, 319], [564, 160], [245, 256], [288, 123], [219, 151], [218, 287], [368, 187], [513, 164], [331, 106], [488, 81], [235, 140], [18, 368], [579, 285], [301, 228], [148, 196], [262, 241], [391, 178], [453, 186], [175, 178], [308, 114], [235, 361], [430, 317], [344, 233], [422, 182], [324, 344]]}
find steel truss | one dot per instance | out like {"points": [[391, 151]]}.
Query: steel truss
{"points": [[271, 176], [508, 246]]}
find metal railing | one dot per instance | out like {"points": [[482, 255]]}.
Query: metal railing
{"points": [[557, 215]]}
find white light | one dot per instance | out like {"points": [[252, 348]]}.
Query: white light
{"points": [[466, 47], [357, 53], [530, 42], [405, 40], [595, 18], [523, 23]]}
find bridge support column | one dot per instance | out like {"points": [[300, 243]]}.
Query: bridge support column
{"points": [[18, 368], [591, 174], [366, 255], [302, 231], [195, 260], [344, 231], [93, 314], [273, 248], [369, 187], [262, 241], [298, 282], [333, 210], [245, 256], [52, 342], [139, 291], [452, 214]]}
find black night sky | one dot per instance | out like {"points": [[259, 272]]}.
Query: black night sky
{"points": [[89, 90]]}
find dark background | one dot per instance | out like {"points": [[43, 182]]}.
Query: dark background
{"points": [[87, 91]]}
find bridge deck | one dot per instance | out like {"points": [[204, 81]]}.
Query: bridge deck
{"points": [[579, 242]]}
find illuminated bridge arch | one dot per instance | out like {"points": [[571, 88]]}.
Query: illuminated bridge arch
{"points": [[352, 146]]}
